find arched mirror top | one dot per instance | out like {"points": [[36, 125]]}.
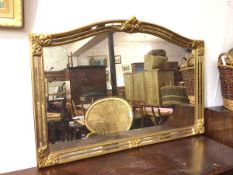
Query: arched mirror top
{"points": [[163, 103], [130, 26]]}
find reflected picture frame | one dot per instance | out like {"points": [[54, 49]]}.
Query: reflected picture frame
{"points": [[98, 60], [11, 14], [117, 59]]}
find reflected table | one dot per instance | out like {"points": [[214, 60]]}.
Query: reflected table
{"points": [[53, 116]]}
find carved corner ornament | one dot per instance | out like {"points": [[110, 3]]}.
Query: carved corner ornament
{"points": [[199, 128], [38, 41], [199, 45], [132, 25], [46, 159], [136, 143]]}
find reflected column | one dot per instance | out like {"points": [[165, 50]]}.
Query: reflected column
{"points": [[112, 63]]}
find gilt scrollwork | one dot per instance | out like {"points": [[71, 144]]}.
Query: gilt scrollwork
{"points": [[38, 41], [45, 158], [51, 159], [132, 25], [199, 45], [200, 51], [199, 129], [43, 151], [136, 143]]}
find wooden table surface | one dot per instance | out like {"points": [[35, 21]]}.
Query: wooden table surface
{"points": [[194, 155]]}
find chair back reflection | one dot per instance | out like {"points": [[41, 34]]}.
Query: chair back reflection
{"points": [[109, 115], [138, 111]]}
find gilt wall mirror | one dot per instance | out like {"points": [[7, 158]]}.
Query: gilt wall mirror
{"points": [[158, 73]]}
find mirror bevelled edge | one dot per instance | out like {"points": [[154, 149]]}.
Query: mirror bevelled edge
{"points": [[38, 41]]}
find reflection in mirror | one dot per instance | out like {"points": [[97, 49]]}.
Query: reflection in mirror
{"points": [[154, 76]]}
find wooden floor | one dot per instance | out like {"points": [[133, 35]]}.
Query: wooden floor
{"points": [[194, 155]]}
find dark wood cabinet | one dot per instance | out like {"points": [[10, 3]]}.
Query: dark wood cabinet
{"points": [[219, 124], [84, 80], [55, 75]]}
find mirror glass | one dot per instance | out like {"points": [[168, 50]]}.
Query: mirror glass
{"points": [[154, 76]]}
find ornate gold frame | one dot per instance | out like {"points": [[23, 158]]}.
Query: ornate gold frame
{"points": [[14, 17], [38, 41]]}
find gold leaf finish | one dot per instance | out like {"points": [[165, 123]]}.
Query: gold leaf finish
{"points": [[200, 51], [132, 25], [200, 126], [199, 45], [51, 159], [39, 41], [43, 152], [46, 159], [136, 143]]}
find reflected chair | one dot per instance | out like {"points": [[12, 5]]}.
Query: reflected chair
{"points": [[138, 111], [88, 98], [85, 103], [70, 129], [77, 110], [159, 115], [77, 113], [173, 95], [109, 115]]}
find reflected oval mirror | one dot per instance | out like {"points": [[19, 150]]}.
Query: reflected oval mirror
{"points": [[112, 86]]}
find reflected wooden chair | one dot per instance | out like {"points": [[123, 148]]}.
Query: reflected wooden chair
{"points": [[87, 99], [77, 110], [109, 115], [85, 104], [70, 127], [138, 111], [157, 114], [77, 113]]}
